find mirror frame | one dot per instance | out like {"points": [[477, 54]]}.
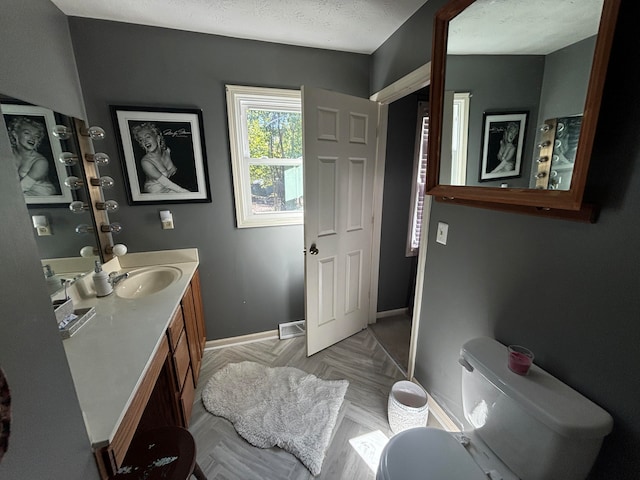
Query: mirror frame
{"points": [[487, 196]]}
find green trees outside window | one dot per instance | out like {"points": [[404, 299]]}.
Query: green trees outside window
{"points": [[275, 165]]}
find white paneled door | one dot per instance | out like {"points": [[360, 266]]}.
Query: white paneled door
{"points": [[339, 162]]}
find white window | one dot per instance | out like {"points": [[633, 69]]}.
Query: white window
{"points": [[265, 130], [419, 179], [459, 138]]}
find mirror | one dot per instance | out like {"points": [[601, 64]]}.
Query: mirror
{"points": [[515, 94], [37, 152]]}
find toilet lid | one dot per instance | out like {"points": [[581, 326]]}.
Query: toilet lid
{"points": [[427, 453]]}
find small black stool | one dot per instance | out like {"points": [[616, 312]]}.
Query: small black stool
{"points": [[161, 453]]}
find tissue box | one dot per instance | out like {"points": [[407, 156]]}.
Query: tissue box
{"points": [[62, 308], [83, 316]]}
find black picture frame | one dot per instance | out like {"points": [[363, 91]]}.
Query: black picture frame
{"points": [[51, 190], [503, 135], [162, 151]]}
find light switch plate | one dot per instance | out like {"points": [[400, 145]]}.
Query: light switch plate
{"points": [[443, 231]]}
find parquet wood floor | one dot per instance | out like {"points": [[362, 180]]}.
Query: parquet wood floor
{"points": [[223, 454], [394, 334]]}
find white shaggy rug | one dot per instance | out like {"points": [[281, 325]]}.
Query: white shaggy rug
{"points": [[280, 406]]}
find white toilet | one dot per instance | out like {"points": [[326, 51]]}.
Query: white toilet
{"points": [[531, 427]]}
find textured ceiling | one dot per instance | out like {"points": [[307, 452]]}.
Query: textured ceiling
{"points": [[525, 27], [349, 25]]}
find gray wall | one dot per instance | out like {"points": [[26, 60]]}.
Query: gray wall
{"points": [[48, 437], [568, 291], [407, 49], [565, 83], [397, 271], [252, 279], [37, 57], [583, 325], [497, 83]]}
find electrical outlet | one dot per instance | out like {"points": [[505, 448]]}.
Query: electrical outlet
{"points": [[443, 231]]}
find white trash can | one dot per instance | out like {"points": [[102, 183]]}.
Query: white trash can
{"points": [[407, 407]]}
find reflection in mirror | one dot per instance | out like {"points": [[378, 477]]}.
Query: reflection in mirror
{"points": [[43, 163], [526, 67]]}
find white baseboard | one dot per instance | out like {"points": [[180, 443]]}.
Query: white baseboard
{"points": [[392, 313], [241, 340], [438, 412]]}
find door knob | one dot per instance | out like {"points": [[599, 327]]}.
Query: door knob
{"points": [[313, 249]]}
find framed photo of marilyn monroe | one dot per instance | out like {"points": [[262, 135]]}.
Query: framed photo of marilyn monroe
{"points": [[502, 145], [163, 154], [36, 152]]}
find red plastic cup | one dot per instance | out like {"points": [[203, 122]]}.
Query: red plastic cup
{"points": [[520, 359]]}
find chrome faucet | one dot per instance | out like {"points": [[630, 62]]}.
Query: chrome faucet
{"points": [[115, 277]]}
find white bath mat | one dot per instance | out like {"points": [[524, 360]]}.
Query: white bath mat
{"points": [[280, 406]]}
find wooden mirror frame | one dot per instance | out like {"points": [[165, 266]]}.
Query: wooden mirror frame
{"points": [[506, 198]]}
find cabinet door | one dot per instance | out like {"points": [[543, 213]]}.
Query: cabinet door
{"points": [[186, 399], [199, 311], [191, 328], [181, 359]]}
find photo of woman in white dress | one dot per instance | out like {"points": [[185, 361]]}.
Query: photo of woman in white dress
{"points": [[26, 135], [156, 163]]}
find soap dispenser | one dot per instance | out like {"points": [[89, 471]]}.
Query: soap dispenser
{"points": [[101, 281]]}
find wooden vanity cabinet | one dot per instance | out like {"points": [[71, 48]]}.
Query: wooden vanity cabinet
{"points": [[191, 317], [197, 299], [166, 393], [186, 347], [183, 385]]}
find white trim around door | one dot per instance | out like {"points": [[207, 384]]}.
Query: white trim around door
{"points": [[419, 78]]}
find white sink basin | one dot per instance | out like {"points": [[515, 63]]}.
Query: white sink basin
{"points": [[147, 281]]}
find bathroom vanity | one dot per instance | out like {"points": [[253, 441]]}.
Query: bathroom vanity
{"points": [[135, 365]]}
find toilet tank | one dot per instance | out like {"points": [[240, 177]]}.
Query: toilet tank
{"points": [[538, 426]]}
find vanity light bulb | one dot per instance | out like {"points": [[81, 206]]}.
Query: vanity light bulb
{"points": [[84, 228], [101, 159], [119, 249], [96, 133], [109, 206], [62, 132], [67, 158], [545, 128], [78, 206], [88, 252], [113, 228], [103, 182], [74, 183]]}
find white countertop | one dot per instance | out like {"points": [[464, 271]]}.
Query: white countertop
{"points": [[109, 354]]}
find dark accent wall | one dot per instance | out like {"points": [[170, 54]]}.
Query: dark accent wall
{"points": [[566, 76], [397, 271], [407, 49], [37, 57], [498, 83], [252, 279], [48, 437], [568, 291]]}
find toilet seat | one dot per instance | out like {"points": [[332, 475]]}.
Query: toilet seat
{"points": [[427, 454]]}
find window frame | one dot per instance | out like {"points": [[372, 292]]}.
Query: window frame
{"points": [[461, 101], [239, 100], [418, 184], [460, 135]]}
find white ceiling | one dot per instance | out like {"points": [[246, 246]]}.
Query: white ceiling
{"points": [[359, 26], [522, 27]]}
